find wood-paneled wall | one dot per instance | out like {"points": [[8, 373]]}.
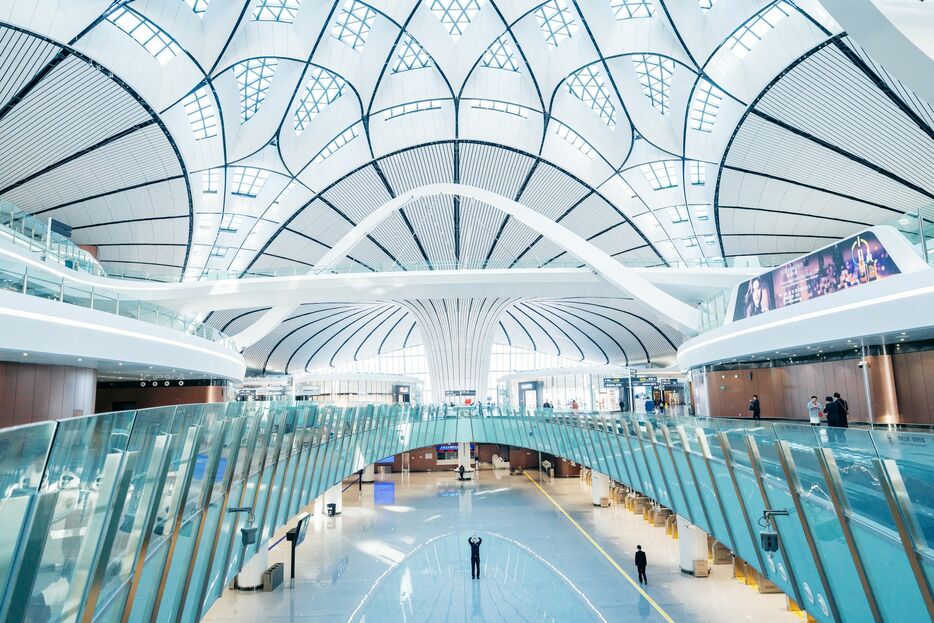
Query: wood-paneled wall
{"points": [[147, 397], [914, 386], [34, 393]]}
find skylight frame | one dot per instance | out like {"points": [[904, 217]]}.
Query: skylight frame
{"points": [[146, 33], [587, 85], [655, 73], [754, 29], [661, 174], [283, 11], [556, 21], [254, 77], [632, 9], [705, 106], [230, 223], [199, 108], [338, 143], [705, 5], [697, 172], [500, 55], [410, 55], [198, 7], [210, 181], [500, 106], [322, 89], [408, 108], [247, 181], [353, 24], [574, 139], [679, 214], [455, 15]]}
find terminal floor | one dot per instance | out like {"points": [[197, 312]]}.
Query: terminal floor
{"points": [[399, 553]]}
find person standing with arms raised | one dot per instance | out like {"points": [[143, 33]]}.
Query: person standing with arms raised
{"points": [[475, 542]]}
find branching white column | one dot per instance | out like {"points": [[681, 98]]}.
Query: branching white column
{"points": [[458, 335]]}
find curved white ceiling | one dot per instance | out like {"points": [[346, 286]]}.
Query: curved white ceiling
{"points": [[189, 135]]}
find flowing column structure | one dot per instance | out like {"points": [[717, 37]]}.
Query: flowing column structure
{"points": [[458, 335]]}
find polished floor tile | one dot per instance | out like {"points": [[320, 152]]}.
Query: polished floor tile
{"points": [[399, 552]]}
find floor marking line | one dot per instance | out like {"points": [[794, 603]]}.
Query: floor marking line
{"points": [[602, 551]]}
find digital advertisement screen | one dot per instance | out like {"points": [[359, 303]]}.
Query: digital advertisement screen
{"points": [[851, 262]]}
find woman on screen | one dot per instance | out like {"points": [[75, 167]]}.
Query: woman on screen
{"points": [[757, 298]]}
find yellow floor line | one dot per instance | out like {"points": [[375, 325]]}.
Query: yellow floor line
{"points": [[609, 558]]}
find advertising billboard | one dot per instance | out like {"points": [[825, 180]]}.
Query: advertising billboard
{"points": [[851, 262]]}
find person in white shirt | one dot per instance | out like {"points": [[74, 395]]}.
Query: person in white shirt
{"points": [[814, 411]]}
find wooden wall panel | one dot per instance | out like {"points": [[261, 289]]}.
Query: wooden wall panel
{"points": [[147, 397], [34, 393]]}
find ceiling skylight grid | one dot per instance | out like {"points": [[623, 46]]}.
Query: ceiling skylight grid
{"points": [[500, 56], [629, 9], [455, 15], [705, 106], [574, 139], [230, 223], [410, 107], [411, 55], [662, 174], [506, 107], [698, 173], [752, 31], [587, 85], [210, 181], [253, 78], [247, 181], [322, 89], [353, 24], [155, 40], [200, 111], [276, 11], [678, 215], [198, 6], [342, 139], [655, 73], [556, 21]]}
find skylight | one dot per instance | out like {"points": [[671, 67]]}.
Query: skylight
{"points": [[698, 173], [353, 24], [587, 85], [410, 55], [247, 181], [210, 181], [144, 32], [655, 73], [701, 211], [706, 106], [410, 107], [628, 9], [661, 174], [198, 6], [506, 107], [751, 32], [276, 10], [322, 89], [678, 214], [455, 15], [690, 243], [556, 21], [230, 223], [253, 78], [200, 111], [705, 4], [500, 56], [342, 139], [220, 251], [574, 139]]}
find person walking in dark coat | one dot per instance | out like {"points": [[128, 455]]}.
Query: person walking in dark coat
{"points": [[475, 542], [836, 411], [754, 407], [641, 563]]}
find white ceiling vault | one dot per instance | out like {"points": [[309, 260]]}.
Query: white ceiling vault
{"points": [[188, 136]]}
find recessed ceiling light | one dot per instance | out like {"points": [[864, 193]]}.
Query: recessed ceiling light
{"points": [[25, 354]]}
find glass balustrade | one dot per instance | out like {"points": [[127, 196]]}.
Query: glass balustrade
{"points": [[18, 277], [123, 516]]}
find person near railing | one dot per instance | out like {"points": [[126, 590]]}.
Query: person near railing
{"points": [[755, 407]]}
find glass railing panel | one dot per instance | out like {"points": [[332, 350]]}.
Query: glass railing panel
{"points": [[23, 454], [84, 469]]}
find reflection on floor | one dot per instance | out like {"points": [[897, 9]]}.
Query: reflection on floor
{"points": [[399, 552]]}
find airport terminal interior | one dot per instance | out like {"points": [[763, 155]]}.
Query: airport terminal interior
{"points": [[411, 311]]}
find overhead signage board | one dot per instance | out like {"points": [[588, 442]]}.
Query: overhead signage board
{"points": [[849, 263], [461, 392]]}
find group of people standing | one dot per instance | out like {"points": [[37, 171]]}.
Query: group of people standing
{"points": [[835, 410]]}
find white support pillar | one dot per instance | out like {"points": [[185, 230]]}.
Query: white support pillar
{"points": [[600, 487], [334, 495], [463, 456], [369, 473], [692, 544]]}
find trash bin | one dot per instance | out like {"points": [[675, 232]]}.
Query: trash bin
{"points": [[332, 510]]}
